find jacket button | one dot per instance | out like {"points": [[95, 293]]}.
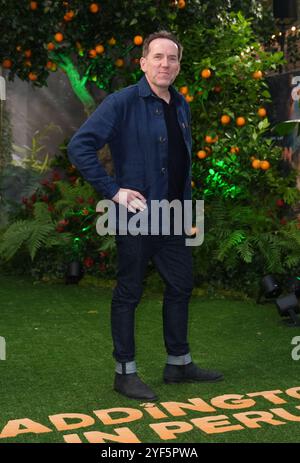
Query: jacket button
{"points": [[162, 139], [158, 111], [163, 170], [183, 125]]}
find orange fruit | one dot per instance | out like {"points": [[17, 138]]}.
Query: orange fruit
{"points": [[208, 139], [69, 16], [206, 73], [235, 149], [257, 75], [240, 121], [189, 98], [99, 49], [225, 119], [184, 90], [138, 40], [201, 154], [49, 64], [18, 48], [256, 163], [92, 53], [181, 4], [7, 63], [262, 112], [94, 7], [50, 46], [53, 67], [33, 6], [265, 165], [28, 53], [59, 37], [119, 62], [193, 184], [32, 76], [112, 41], [217, 89]]}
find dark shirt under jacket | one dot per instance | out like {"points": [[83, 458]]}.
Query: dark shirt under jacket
{"points": [[178, 159], [177, 153]]}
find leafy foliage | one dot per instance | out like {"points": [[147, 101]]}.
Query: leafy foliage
{"points": [[27, 33], [243, 242], [32, 234], [34, 156], [250, 221], [57, 224]]}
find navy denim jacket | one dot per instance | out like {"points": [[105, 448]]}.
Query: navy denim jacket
{"points": [[132, 122]]}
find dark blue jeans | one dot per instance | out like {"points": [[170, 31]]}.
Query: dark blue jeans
{"points": [[173, 260]]}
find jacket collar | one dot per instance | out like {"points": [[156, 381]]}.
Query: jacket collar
{"points": [[145, 89]]}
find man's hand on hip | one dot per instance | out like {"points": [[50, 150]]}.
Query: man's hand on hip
{"points": [[131, 199]]}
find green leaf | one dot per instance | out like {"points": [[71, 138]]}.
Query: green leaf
{"points": [[266, 94], [263, 124]]}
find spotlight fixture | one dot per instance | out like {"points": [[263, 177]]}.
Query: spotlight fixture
{"points": [[288, 307], [269, 288], [74, 272]]}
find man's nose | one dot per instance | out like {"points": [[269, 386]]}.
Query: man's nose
{"points": [[165, 62]]}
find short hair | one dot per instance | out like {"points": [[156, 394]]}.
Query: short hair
{"points": [[162, 35]]}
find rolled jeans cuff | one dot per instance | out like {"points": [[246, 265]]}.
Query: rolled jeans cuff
{"points": [[125, 368], [179, 359]]}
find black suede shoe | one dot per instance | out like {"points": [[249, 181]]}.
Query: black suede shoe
{"points": [[190, 373], [133, 387]]}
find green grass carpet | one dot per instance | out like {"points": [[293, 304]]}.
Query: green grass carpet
{"points": [[59, 360]]}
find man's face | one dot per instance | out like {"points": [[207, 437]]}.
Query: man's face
{"points": [[161, 65]]}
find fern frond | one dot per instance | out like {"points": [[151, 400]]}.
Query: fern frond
{"points": [[245, 251], [269, 250], [14, 237], [236, 237], [41, 212], [241, 215], [292, 261], [39, 236]]}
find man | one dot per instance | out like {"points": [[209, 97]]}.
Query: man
{"points": [[147, 126]]}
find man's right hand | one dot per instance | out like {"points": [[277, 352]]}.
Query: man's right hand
{"points": [[131, 199]]}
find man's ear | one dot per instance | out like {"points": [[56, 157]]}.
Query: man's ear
{"points": [[142, 63]]}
